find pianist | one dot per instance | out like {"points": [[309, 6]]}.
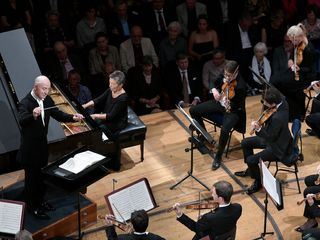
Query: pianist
{"points": [[114, 116], [35, 111]]}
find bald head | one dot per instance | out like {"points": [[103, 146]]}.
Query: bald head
{"points": [[41, 86]]}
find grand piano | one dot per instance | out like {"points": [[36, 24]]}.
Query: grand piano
{"points": [[18, 69]]}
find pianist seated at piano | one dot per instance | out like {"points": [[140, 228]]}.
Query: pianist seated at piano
{"points": [[114, 116]]}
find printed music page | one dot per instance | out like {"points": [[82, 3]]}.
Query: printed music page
{"points": [[81, 161], [269, 183], [129, 199], [10, 217]]}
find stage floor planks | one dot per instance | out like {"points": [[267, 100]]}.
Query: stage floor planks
{"points": [[166, 162]]}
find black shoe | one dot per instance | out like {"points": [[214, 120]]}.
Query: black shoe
{"points": [[310, 132], [47, 206], [255, 187], [216, 163], [40, 214], [244, 173]]}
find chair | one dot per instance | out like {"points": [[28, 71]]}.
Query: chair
{"points": [[216, 119], [134, 133], [291, 161]]}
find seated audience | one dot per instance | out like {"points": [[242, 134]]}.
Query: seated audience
{"points": [[102, 53], [144, 84], [172, 44], [221, 220], [114, 116], [281, 55], [79, 91], [139, 220], [133, 50]]}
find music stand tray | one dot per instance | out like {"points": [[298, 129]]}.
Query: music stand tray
{"points": [[70, 182]]}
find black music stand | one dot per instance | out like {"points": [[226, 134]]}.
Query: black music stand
{"points": [[194, 142], [273, 189], [70, 182]]}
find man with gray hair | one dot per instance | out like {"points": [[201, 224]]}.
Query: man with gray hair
{"points": [[35, 111]]}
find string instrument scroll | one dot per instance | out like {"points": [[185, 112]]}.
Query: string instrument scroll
{"points": [[266, 114], [228, 90]]}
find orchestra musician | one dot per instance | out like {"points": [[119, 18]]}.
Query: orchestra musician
{"points": [[313, 119], [139, 221], [311, 209], [235, 111], [299, 73], [273, 136], [115, 114], [218, 221], [35, 111]]}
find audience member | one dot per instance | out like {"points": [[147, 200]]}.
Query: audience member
{"points": [[187, 14], [221, 220], [213, 69], [78, 91], [183, 82], [139, 220], [88, 27], [133, 50], [312, 25], [62, 63], [281, 56], [202, 42], [258, 9], [172, 44], [260, 64], [145, 85], [102, 53]]}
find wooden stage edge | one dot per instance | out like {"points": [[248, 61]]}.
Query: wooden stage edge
{"points": [[166, 162]]}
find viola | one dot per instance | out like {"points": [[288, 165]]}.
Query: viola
{"points": [[228, 90], [210, 205], [298, 57], [266, 114], [122, 226]]}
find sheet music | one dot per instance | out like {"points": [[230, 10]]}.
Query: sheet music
{"points": [[130, 199], [270, 183], [10, 217], [81, 161]]}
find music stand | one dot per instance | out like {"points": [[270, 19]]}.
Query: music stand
{"points": [[193, 144], [70, 182], [273, 189]]}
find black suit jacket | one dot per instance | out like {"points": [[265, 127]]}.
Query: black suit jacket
{"points": [[214, 223], [276, 132], [112, 235], [33, 149], [175, 87]]}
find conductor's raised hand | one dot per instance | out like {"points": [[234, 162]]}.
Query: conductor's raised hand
{"points": [[36, 112]]}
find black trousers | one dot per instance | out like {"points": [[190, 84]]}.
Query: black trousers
{"points": [[313, 121], [252, 160], [208, 109], [310, 189], [35, 188]]}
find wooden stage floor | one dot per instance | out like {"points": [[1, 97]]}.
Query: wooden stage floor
{"points": [[166, 162]]}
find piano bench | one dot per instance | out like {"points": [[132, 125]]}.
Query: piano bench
{"points": [[134, 134]]}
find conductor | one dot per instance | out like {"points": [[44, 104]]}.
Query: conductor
{"points": [[35, 110]]}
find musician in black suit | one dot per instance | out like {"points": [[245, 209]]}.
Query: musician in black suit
{"points": [[34, 115], [273, 137], [215, 107], [313, 119], [183, 91], [219, 221], [140, 221]]}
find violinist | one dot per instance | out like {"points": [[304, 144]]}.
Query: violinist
{"points": [[229, 93], [298, 73], [216, 222], [311, 209], [313, 119], [272, 135], [139, 221]]}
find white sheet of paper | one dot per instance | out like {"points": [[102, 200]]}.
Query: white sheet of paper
{"points": [[104, 137], [10, 217], [269, 183]]}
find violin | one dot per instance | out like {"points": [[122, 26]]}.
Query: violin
{"points": [[266, 114], [316, 196], [298, 58], [122, 226], [198, 206], [228, 90]]}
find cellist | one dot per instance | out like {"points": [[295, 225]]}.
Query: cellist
{"points": [[272, 135]]}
